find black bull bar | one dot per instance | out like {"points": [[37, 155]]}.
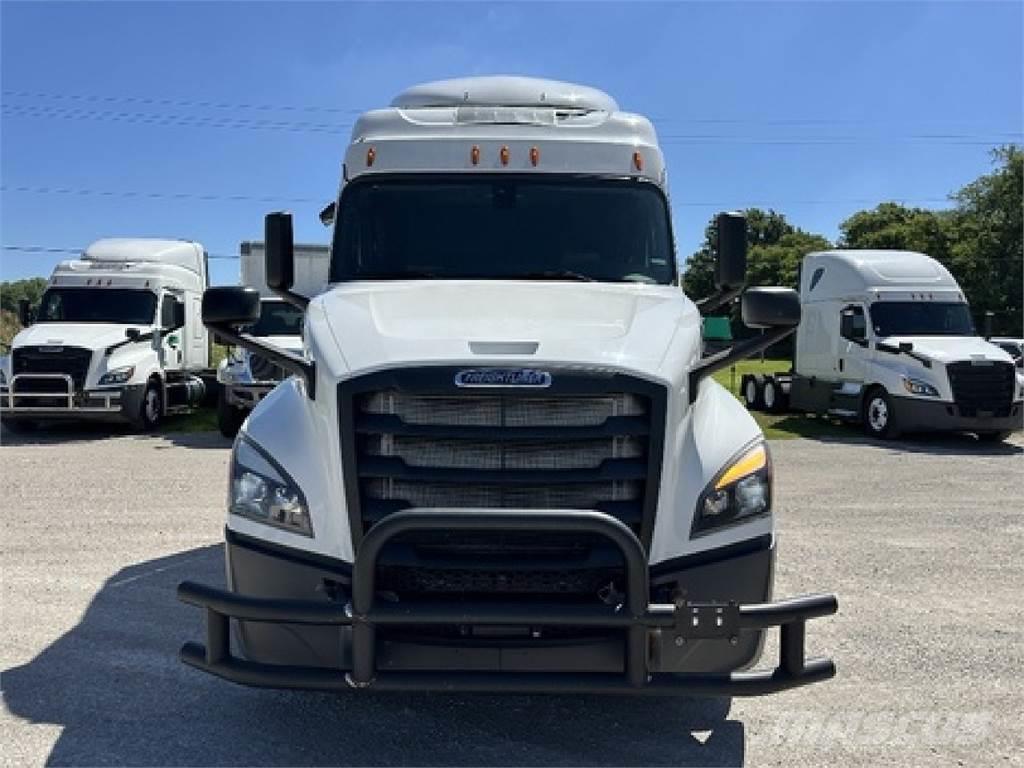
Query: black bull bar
{"points": [[364, 614]]}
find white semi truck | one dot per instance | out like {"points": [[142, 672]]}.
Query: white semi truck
{"points": [[245, 377], [887, 339], [118, 336], [501, 463]]}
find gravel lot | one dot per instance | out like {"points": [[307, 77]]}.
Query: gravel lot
{"points": [[922, 541]]}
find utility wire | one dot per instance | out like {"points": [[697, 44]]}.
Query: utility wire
{"points": [[261, 199], [160, 195], [263, 107], [237, 123]]}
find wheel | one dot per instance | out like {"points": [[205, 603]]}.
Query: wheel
{"points": [[753, 393], [151, 409], [229, 418], [879, 415], [993, 437], [772, 395]]}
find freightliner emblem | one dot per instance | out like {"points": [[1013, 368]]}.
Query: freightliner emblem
{"points": [[503, 377]]}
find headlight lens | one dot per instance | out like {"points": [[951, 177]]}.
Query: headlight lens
{"points": [[740, 492], [118, 375], [918, 387], [262, 491]]}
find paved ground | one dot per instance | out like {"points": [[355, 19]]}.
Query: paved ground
{"points": [[922, 541]]}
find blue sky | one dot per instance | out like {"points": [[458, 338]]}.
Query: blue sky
{"points": [[814, 109]]}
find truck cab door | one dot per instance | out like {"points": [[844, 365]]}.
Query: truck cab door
{"points": [[172, 341], [853, 350]]}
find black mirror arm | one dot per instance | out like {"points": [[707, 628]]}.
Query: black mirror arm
{"points": [[293, 298], [287, 360], [710, 303], [735, 353]]}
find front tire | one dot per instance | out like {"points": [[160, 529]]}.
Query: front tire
{"points": [[151, 409], [879, 415], [229, 418]]}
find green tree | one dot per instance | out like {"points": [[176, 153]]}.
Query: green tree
{"points": [[12, 292], [775, 249], [987, 242], [894, 226]]}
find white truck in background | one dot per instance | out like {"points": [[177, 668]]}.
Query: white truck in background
{"points": [[246, 377], [117, 336], [502, 463], [887, 339]]}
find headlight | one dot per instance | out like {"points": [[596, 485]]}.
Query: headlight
{"points": [[740, 492], [262, 491], [118, 375], [918, 387]]}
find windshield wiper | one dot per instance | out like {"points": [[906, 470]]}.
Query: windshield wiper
{"points": [[555, 274]]}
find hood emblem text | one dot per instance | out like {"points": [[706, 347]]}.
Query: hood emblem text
{"points": [[503, 377]]}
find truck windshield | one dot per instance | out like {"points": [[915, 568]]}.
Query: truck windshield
{"points": [[123, 306], [919, 318], [277, 318], [503, 228]]}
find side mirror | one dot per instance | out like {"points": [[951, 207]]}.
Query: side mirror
{"points": [[24, 312], [731, 264], [851, 326], [280, 254], [770, 308], [132, 334], [231, 306]]}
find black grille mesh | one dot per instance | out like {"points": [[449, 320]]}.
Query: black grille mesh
{"points": [[73, 361], [982, 387]]}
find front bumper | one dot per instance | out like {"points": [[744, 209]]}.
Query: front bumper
{"points": [[106, 404], [915, 414], [630, 661]]}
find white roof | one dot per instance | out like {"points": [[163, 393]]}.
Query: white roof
{"points": [[844, 272], [505, 91], [181, 253], [436, 126]]}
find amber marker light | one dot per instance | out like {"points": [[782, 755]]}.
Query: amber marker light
{"points": [[534, 156], [371, 155], [504, 155], [474, 155], [638, 161]]}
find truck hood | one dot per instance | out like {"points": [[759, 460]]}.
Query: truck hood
{"points": [[88, 335], [949, 349], [642, 328]]}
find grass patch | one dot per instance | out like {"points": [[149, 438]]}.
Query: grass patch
{"points": [[780, 426], [200, 420]]}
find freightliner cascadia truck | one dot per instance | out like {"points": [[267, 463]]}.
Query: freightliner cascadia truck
{"points": [[246, 377], [501, 462], [887, 339], [118, 336]]}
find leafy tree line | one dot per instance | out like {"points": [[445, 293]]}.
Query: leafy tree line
{"points": [[979, 240], [13, 291]]}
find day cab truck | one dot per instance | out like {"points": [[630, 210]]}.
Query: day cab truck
{"points": [[887, 339], [118, 336], [501, 463], [246, 377]]}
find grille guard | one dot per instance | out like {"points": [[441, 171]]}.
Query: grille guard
{"points": [[706, 621]]}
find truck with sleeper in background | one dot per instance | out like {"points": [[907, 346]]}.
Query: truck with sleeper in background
{"points": [[887, 339], [118, 336], [246, 377], [501, 463]]}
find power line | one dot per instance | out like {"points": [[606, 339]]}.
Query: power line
{"points": [[237, 123], [268, 199], [321, 109], [160, 195]]}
